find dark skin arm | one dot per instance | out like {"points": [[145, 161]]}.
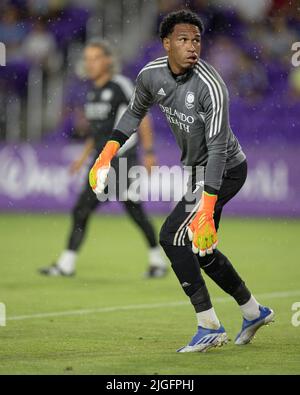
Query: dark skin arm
{"points": [[146, 134], [87, 150]]}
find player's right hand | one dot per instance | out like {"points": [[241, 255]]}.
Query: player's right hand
{"points": [[99, 171], [202, 232], [98, 175]]}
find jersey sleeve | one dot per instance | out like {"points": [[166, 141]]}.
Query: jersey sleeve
{"points": [[140, 102], [214, 101], [122, 101]]}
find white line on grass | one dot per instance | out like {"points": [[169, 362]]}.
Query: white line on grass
{"points": [[272, 295]]}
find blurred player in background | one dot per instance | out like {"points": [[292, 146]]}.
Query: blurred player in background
{"points": [[187, 88], [106, 102]]}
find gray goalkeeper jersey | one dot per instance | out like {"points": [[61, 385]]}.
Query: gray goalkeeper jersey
{"points": [[196, 107]]}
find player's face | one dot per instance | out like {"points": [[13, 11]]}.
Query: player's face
{"points": [[96, 62], [183, 47]]}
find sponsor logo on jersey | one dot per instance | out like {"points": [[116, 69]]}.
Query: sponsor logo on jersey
{"points": [[190, 100], [178, 118]]}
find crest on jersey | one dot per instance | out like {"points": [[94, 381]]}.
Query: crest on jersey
{"points": [[190, 100], [106, 95]]}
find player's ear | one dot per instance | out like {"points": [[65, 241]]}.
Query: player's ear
{"points": [[166, 44]]}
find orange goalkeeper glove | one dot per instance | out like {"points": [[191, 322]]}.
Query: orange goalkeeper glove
{"points": [[202, 232], [99, 171]]}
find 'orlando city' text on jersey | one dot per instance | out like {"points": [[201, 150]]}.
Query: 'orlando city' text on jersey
{"points": [[196, 107]]}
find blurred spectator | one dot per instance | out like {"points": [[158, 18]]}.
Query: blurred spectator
{"points": [[39, 46], [294, 84], [247, 47], [73, 123], [165, 6], [224, 55], [250, 11], [251, 81], [275, 39], [283, 7], [294, 16], [46, 7], [12, 31]]}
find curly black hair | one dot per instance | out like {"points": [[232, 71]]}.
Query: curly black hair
{"points": [[176, 17]]}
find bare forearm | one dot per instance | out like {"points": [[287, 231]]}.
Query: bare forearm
{"points": [[87, 150], [146, 134]]}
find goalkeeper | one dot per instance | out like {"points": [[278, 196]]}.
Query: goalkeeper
{"points": [[194, 99]]}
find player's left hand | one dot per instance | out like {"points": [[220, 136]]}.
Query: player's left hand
{"points": [[202, 232], [99, 171]]}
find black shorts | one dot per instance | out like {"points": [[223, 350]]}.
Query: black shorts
{"points": [[174, 229]]}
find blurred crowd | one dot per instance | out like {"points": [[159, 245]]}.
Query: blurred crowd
{"points": [[40, 31], [249, 43]]}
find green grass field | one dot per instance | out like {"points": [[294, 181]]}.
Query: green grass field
{"points": [[129, 325]]}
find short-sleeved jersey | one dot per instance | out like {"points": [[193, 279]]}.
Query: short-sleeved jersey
{"points": [[104, 106], [196, 107]]}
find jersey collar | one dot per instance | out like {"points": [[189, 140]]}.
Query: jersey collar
{"points": [[182, 78]]}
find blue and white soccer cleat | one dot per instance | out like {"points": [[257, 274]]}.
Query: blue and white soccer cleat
{"points": [[205, 339], [249, 328]]}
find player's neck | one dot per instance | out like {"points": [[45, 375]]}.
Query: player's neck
{"points": [[102, 80], [176, 70]]}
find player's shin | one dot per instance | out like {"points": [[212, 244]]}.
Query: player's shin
{"points": [[218, 267], [186, 269]]}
